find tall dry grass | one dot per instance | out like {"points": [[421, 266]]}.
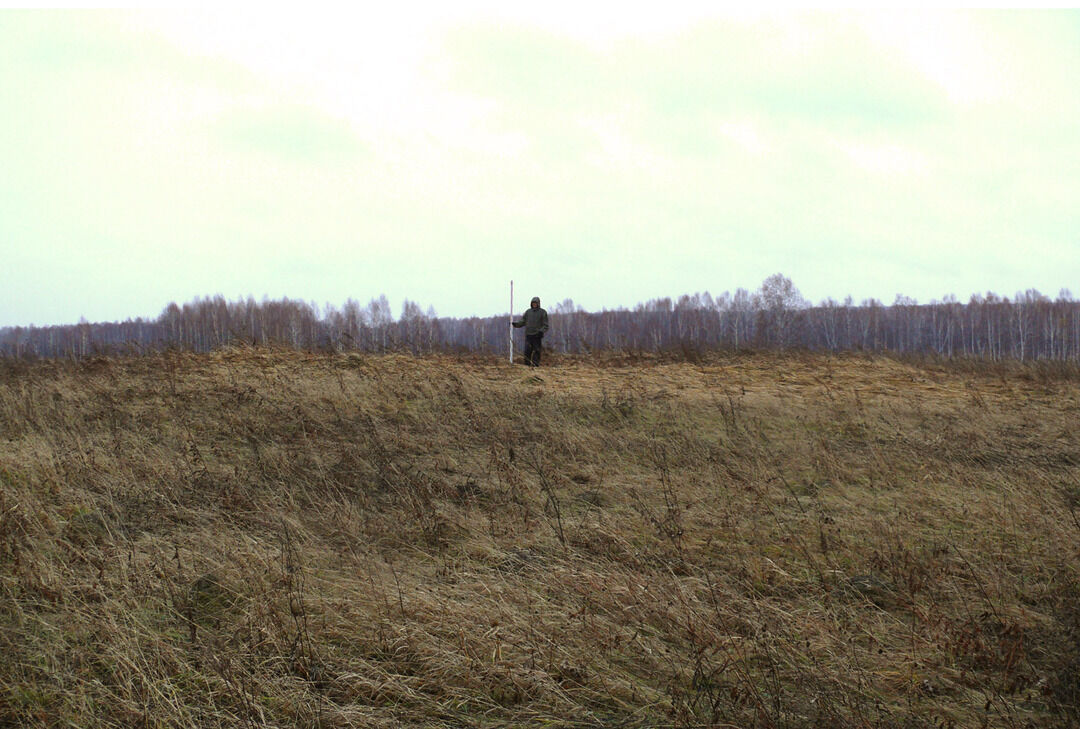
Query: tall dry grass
{"points": [[268, 538]]}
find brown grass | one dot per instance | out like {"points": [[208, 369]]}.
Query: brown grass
{"points": [[269, 538]]}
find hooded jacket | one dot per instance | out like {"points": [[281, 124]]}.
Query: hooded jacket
{"points": [[535, 320]]}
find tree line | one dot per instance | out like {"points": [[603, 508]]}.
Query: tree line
{"points": [[1028, 326]]}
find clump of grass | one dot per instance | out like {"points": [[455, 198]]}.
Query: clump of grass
{"points": [[263, 538]]}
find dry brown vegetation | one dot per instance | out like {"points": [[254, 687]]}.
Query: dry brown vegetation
{"points": [[270, 538]]}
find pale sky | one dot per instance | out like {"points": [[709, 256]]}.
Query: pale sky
{"points": [[585, 150]]}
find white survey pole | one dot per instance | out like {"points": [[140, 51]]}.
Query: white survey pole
{"points": [[511, 321]]}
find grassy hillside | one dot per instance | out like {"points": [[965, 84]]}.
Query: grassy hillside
{"points": [[255, 538]]}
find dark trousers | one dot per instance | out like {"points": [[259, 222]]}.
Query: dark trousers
{"points": [[532, 349]]}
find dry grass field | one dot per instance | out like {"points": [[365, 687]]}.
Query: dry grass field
{"points": [[259, 538]]}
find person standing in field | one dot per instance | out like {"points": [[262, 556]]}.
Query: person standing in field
{"points": [[535, 321]]}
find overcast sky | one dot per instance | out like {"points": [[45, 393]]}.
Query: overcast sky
{"points": [[587, 151]]}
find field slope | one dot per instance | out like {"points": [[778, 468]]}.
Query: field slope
{"points": [[268, 538]]}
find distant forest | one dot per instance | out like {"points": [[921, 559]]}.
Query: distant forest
{"points": [[1027, 327]]}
